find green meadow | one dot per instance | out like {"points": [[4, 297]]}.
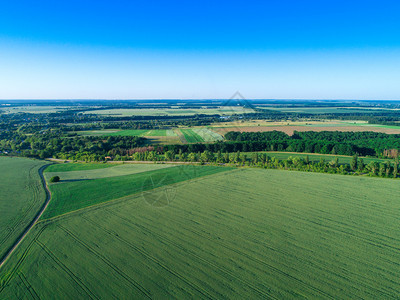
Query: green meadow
{"points": [[21, 196], [266, 234]]}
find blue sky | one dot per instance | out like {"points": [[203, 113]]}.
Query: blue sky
{"points": [[199, 49]]}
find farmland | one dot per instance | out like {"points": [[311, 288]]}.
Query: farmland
{"points": [[305, 126], [21, 197], [77, 192], [224, 110], [191, 136], [325, 110], [247, 233]]}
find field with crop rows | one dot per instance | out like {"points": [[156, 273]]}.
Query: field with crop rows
{"points": [[208, 135], [67, 167], [21, 196], [191, 136], [112, 171], [76, 193], [244, 233]]}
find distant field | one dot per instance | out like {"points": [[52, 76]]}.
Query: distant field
{"points": [[191, 136], [66, 167], [250, 233], [76, 194], [290, 129], [129, 112], [21, 196], [323, 110], [112, 171], [131, 132], [33, 109], [208, 135]]}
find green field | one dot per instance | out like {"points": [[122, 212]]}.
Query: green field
{"points": [[160, 132], [208, 135], [131, 132], [33, 109], [129, 112], [67, 167], [191, 136], [112, 171], [78, 193], [245, 233], [21, 196]]}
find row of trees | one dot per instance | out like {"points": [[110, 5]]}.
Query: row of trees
{"points": [[357, 166]]}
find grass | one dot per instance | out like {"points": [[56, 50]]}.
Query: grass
{"points": [[33, 109], [67, 167], [249, 233], [191, 136], [129, 112], [70, 196], [208, 135], [129, 132], [21, 196], [158, 132], [113, 171]]}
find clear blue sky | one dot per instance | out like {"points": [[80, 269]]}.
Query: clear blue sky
{"points": [[199, 49]]}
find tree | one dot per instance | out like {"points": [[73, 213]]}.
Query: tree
{"points": [[353, 162], [361, 165], [169, 155], [237, 157], [192, 157], [55, 179], [254, 158], [206, 156]]}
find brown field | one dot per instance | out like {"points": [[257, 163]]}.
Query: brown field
{"points": [[290, 129]]}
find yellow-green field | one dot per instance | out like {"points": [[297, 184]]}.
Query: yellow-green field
{"points": [[240, 233]]}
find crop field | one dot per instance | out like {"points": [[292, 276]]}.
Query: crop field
{"points": [[33, 109], [208, 135], [132, 132], [290, 129], [325, 110], [191, 136], [129, 132], [76, 193], [112, 171], [129, 112], [21, 196], [160, 132], [265, 234], [67, 167]]}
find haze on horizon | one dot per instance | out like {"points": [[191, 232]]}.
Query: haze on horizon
{"points": [[200, 50]]}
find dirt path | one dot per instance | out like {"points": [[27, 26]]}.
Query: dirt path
{"points": [[34, 221]]}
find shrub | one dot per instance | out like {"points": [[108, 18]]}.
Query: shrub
{"points": [[55, 179]]}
